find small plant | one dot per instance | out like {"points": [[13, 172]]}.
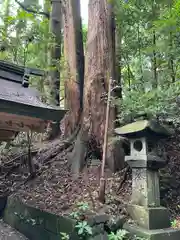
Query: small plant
{"points": [[75, 215], [65, 236], [174, 223], [28, 220], [83, 229], [120, 235], [123, 235], [82, 226], [83, 206]]}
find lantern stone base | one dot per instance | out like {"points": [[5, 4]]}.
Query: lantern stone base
{"points": [[150, 218], [158, 234]]}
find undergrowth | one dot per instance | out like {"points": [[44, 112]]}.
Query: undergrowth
{"points": [[84, 230]]}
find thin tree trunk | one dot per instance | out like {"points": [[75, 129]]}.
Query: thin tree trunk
{"points": [[129, 77], [171, 58], [140, 56], [54, 80], [44, 83], [155, 80], [55, 26], [118, 92], [154, 60], [74, 57]]}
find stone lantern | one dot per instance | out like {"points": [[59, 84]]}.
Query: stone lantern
{"points": [[151, 220]]}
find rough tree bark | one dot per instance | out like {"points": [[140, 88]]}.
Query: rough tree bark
{"points": [[74, 60], [55, 29], [99, 67], [55, 56]]}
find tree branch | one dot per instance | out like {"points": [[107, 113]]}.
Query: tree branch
{"points": [[30, 10]]}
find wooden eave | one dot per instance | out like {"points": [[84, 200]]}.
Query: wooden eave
{"points": [[20, 106], [20, 109], [6, 135]]}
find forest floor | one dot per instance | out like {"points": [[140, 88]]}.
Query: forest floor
{"points": [[55, 190], [8, 233]]}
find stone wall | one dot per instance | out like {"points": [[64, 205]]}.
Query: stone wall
{"points": [[39, 225], [36, 224]]}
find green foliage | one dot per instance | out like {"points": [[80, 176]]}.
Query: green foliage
{"points": [[29, 220], [84, 229], [82, 226], [163, 103], [148, 52], [83, 206], [123, 235], [64, 236], [120, 235], [84, 31], [174, 223]]}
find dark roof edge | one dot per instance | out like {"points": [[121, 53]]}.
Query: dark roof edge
{"points": [[20, 70], [51, 114]]}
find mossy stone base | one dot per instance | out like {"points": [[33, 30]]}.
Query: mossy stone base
{"points": [[150, 218], [158, 234], [36, 224]]}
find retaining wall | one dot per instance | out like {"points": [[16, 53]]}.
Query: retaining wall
{"points": [[36, 224], [40, 225]]}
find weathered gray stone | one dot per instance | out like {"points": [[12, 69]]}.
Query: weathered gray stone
{"points": [[151, 162], [158, 234], [101, 218], [145, 187], [115, 224], [150, 218], [143, 127], [47, 226], [98, 229], [103, 236], [98, 219]]}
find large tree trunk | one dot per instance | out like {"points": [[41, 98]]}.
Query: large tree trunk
{"points": [[98, 70], [99, 67], [74, 58]]}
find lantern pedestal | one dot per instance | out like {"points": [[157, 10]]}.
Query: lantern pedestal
{"points": [[151, 220], [157, 234]]}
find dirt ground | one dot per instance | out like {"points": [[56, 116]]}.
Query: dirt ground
{"points": [[8, 233], [54, 190], [57, 192]]}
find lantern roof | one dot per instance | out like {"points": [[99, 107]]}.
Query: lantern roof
{"points": [[143, 128]]}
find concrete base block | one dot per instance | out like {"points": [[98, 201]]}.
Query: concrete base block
{"points": [[150, 218], [158, 234]]}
